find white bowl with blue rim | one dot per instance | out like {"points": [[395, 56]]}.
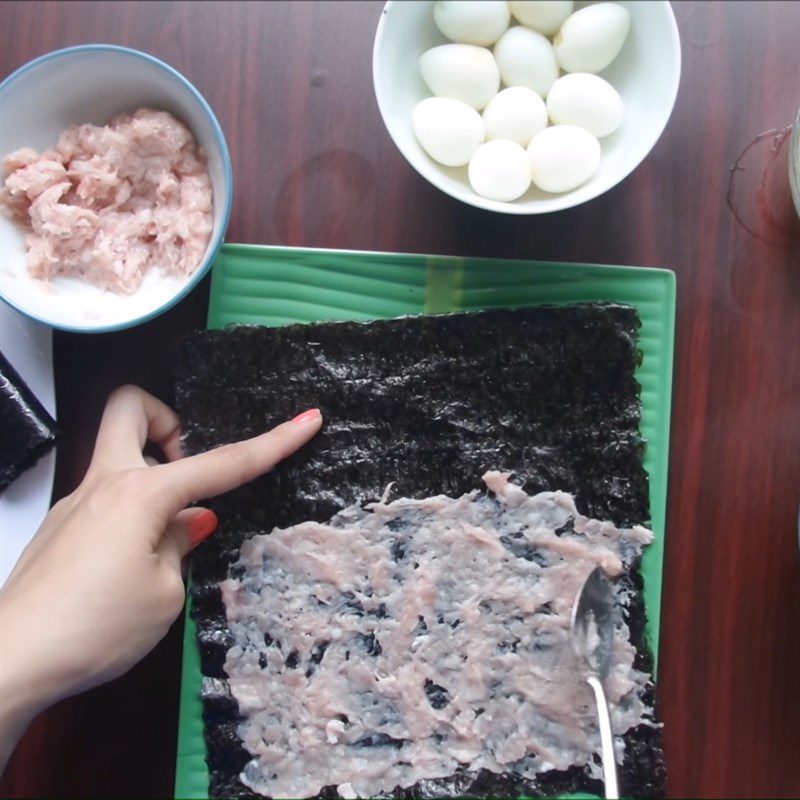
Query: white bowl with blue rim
{"points": [[92, 83]]}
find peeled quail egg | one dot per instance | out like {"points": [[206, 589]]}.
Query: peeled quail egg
{"points": [[500, 170], [471, 21], [591, 38], [516, 113], [544, 16], [461, 71], [584, 100], [562, 157], [448, 130], [526, 58]]}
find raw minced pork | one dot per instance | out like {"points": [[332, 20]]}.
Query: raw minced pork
{"points": [[111, 202], [403, 642]]}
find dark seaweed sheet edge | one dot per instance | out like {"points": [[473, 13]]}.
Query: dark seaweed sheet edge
{"points": [[21, 401]]}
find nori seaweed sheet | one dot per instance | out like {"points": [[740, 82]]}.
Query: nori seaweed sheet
{"points": [[27, 431], [430, 403]]}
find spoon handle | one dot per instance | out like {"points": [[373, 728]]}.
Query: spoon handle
{"points": [[606, 740]]}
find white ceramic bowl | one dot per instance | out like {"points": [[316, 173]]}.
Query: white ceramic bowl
{"points": [[645, 73], [92, 83]]}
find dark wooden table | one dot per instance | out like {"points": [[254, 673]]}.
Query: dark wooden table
{"points": [[292, 86]]}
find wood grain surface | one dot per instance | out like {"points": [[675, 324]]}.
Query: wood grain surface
{"points": [[292, 86]]}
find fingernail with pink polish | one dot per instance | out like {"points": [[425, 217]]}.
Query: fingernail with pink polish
{"points": [[202, 526], [306, 416]]}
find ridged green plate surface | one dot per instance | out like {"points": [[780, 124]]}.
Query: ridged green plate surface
{"points": [[281, 285]]}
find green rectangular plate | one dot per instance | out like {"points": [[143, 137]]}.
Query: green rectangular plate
{"points": [[282, 285]]}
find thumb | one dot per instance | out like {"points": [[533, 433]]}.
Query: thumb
{"points": [[189, 527]]}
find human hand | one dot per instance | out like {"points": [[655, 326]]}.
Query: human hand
{"points": [[100, 583]]}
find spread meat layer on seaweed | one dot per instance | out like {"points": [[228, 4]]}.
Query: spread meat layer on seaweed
{"points": [[430, 403]]}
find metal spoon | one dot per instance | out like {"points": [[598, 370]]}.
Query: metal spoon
{"points": [[593, 640]]}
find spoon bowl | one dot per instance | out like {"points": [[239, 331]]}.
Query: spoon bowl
{"points": [[593, 623], [593, 639]]}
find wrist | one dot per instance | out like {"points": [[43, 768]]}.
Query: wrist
{"points": [[20, 699], [28, 681]]}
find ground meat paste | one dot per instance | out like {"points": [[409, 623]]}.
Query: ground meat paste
{"points": [[111, 202], [408, 639]]}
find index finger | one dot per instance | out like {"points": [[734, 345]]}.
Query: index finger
{"points": [[225, 468]]}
